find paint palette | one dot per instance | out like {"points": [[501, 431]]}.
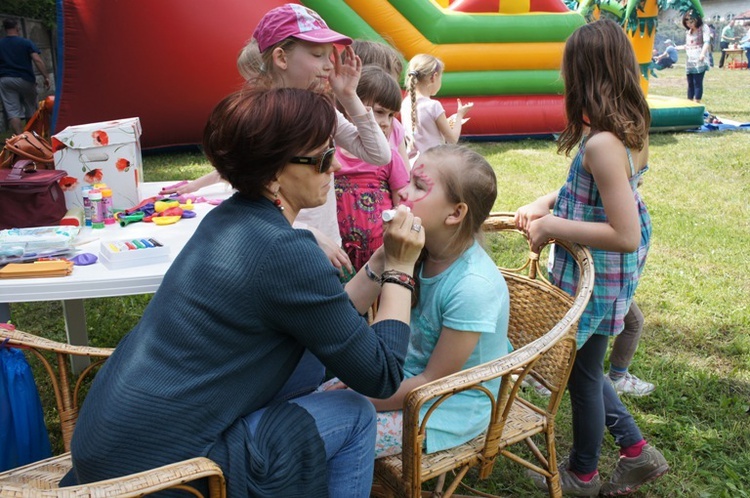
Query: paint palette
{"points": [[126, 253]]}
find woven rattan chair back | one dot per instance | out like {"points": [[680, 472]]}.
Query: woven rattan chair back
{"points": [[40, 479], [542, 330]]}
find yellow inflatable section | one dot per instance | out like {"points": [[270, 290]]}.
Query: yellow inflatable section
{"points": [[385, 18]]}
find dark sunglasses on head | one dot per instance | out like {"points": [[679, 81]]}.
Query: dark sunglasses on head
{"points": [[322, 162]]}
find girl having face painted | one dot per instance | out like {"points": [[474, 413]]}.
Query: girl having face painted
{"points": [[460, 313]]}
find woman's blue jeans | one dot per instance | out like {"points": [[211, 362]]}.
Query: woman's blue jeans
{"points": [[695, 86], [346, 423], [595, 404]]}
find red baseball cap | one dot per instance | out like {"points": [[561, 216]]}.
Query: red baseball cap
{"points": [[298, 21]]}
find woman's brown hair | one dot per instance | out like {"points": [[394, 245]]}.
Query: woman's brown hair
{"points": [[252, 134], [602, 87]]}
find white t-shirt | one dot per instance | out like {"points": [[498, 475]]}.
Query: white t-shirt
{"points": [[427, 134]]}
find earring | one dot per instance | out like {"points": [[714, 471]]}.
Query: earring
{"points": [[277, 201]]}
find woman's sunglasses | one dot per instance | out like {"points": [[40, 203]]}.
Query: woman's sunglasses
{"points": [[322, 163]]}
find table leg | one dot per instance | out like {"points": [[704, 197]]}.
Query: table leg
{"points": [[4, 312], [75, 330]]}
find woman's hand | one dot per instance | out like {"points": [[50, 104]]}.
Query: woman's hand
{"points": [[403, 239], [347, 68], [333, 384]]}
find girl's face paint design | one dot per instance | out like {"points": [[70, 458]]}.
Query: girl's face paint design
{"points": [[425, 194], [419, 187]]}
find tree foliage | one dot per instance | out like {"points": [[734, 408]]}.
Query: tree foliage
{"points": [[44, 10]]}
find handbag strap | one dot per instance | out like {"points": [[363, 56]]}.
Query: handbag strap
{"points": [[29, 145], [16, 173]]}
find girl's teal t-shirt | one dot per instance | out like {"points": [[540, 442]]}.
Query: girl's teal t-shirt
{"points": [[471, 295]]}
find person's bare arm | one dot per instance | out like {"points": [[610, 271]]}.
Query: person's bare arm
{"points": [[451, 134], [607, 161], [192, 186], [534, 210], [450, 354], [41, 66], [336, 255]]}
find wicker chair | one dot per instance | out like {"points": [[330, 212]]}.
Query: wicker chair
{"points": [[40, 479], [542, 330]]}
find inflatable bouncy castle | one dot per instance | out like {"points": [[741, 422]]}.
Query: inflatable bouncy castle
{"points": [[169, 62]]}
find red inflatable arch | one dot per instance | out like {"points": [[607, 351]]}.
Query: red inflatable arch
{"points": [[167, 62]]}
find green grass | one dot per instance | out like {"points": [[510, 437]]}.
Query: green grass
{"points": [[694, 293]]}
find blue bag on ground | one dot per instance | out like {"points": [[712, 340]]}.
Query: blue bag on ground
{"points": [[23, 435]]}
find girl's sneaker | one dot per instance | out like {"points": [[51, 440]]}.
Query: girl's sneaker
{"points": [[570, 483], [631, 385], [632, 473]]}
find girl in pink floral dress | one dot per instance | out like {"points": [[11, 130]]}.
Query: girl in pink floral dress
{"points": [[364, 191]]}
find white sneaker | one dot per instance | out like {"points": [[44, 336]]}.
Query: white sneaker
{"points": [[530, 382], [632, 385]]}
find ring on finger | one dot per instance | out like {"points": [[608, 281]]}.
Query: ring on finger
{"points": [[416, 227]]}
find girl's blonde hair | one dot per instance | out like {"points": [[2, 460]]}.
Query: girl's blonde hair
{"points": [[602, 87], [421, 68], [379, 54], [258, 68], [467, 177]]}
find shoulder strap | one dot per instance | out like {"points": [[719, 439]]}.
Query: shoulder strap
{"points": [[630, 161]]}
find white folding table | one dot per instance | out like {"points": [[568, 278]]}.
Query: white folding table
{"points": [[98, 280]]}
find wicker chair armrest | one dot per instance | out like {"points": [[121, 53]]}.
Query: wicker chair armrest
{"points": [[464, 380], [19, 339], [55, 360], [504, 221], [175, 475], [517, 363]]}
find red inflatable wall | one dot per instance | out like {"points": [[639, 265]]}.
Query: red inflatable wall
{"points": [[167, 62]]}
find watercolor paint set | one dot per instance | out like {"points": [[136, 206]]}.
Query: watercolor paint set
{"points": [[127, 253]]}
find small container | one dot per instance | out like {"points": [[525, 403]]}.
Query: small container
{"points": [[109, 214], [74, 217], [128, 253], [97, 209], [86, 205]]}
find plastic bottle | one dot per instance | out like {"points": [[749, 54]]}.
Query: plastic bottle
{"points": [[97, 209], [86, 205], [109, 214]]}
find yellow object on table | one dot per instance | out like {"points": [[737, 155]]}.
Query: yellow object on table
{"points": [[37, 269]]}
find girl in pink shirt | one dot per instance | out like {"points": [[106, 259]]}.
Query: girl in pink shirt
{"points": [[363, 190]]}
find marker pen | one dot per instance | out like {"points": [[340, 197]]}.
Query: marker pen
{"points": [[389, 214]]}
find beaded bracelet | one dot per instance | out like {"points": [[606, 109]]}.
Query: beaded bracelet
{"points": [[370, 274], [398, 277]]}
